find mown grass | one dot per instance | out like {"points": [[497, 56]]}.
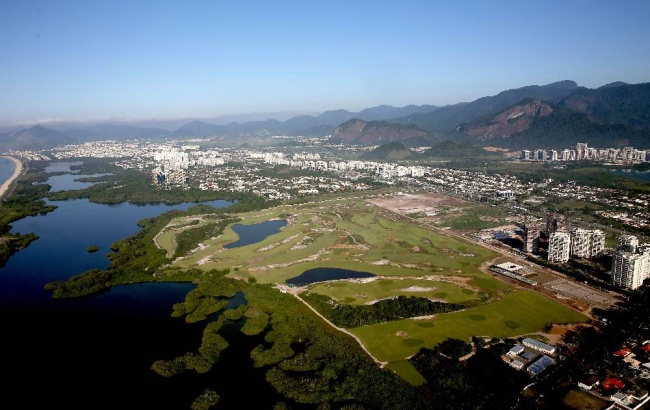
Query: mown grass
{"points": [[407, 372], [356, 293], [343, 234], [517, 314]]}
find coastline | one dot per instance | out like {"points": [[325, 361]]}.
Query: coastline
{"points": [[17, 171]]}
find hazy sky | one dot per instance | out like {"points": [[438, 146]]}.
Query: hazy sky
{"points": [[82, 60]]}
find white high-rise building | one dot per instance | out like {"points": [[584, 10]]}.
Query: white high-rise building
{"points": [[629, 270], [587, 243], [631, 263], [559, 247]]}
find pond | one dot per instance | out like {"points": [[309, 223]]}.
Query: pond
{"points": [[250, 234], [324, 274]]}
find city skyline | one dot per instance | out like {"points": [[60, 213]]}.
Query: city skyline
{"points": [[95, 61]]}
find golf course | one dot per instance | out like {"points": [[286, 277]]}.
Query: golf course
{"points": [[404, 259]]}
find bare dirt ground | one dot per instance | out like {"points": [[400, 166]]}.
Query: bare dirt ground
{"points": [[415, 203]]}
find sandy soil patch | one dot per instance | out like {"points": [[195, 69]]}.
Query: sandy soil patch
{"points": [[418, 289], [414, 203]]}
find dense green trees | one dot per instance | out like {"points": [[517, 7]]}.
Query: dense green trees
{"points": [[402, 307], [483, 381], [304, 359]]}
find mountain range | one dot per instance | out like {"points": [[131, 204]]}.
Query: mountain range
{"points": [[555, 115]]}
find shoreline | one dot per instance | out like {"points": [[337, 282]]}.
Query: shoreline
{"points": [[18, 169]]}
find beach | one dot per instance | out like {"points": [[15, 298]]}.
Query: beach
{"points": [[19, 168]]}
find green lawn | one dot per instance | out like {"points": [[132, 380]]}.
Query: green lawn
{"points": [[517, 314], [350, 234], [355, 293]]}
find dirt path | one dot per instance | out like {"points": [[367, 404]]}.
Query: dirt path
{"points": [[296, 292]]}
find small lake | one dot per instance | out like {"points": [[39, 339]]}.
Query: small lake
{"points": [[325, 274], [250, 234], [633, 174]]}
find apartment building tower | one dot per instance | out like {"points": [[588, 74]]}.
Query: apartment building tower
{"points": [[559, 247], [631, 263]]}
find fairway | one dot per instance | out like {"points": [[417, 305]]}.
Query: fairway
{"points": [[368, 291], [517, 314]]}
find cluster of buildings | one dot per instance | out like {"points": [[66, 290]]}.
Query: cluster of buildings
{"points": [[576, 242], [630, 262], [532, 355], [623, 392], [562, 242], [628, 155]]}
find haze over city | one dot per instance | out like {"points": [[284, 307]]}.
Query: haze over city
{"points": [[86, 61]]}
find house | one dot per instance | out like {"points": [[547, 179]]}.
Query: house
{"points": [[516, 364], [515, 350], [623, 352], [589, 382], [540, 365], [611, 383], [537, 345]]}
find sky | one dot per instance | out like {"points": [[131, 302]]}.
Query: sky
{"points": [[99, 60]]}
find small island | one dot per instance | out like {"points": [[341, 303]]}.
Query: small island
{"points": [[92, 248]]}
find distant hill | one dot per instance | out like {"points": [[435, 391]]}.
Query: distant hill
{"points": [[512, 120], [357, 131], [553, 115], [34, 138], [104, 131], [383, 112], [198, 129], [552, 126], [391, 151], [308, 125], [626, 104], [446, 119]]}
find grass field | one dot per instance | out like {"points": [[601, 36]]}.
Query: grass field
{"points": [[350, 234], [581, 400], [517, 314], [358, 293]]}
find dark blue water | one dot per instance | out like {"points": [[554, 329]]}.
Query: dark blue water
{"points": [[96, 352], [634, 174], [250, 234], [64, 236], [69, 182], [324, 274], [6, 169]]}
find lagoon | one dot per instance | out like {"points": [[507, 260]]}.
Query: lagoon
{"points": [[97, 351]]}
